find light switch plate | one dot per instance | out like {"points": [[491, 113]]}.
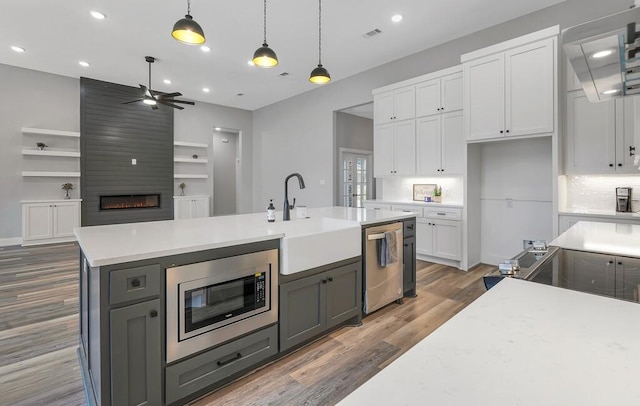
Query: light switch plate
{"points": [[134, 161]]}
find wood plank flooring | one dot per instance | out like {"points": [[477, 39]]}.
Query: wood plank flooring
{"points": [[39, 336]]}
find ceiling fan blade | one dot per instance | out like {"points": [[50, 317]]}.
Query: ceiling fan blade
{"points": [[179, 101], [170, 105], [170, 95], [133, 101], [146, 91]]}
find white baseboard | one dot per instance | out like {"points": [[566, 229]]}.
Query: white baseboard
{"points": [[5, 242], [442, 261]]}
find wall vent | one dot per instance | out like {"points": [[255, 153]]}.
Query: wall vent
{"points": [[372, 33], [283, 74]]}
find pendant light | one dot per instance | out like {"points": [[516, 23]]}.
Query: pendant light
{"points": [[319, 75], [187, 31], [264, 56]]}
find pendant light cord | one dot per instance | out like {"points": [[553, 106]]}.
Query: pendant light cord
{"points": [[188, 7], [319, 32], [265, 21]]}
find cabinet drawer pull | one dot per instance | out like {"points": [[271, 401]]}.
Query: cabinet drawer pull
{"points": [[619, 263], [324, 281], [609, 262], [135, 283], [230, 360], [611, 165], [330, 279], [410, 227], [153, 313], [442, 214]]}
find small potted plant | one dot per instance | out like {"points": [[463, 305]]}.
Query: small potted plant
{"points": [[67, 187], [182, 186], [437, 194]]}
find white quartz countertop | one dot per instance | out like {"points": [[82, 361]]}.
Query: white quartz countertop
{"points": [[599, 213], [112, 244], [603, 238], [521, 343], [453, 205]]}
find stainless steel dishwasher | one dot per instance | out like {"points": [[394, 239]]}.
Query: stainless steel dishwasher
{"points": [[383, 284]]}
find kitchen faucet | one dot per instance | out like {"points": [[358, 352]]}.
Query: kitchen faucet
{"points": [[286, 213]]}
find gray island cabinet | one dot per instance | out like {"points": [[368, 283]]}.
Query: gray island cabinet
{"points": [[313, 302]]}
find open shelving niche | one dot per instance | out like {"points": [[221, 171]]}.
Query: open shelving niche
{"points": [[190, 160], [51, 152]]}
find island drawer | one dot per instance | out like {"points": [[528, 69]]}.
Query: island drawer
{"points": [[130, 284], [204, 370], [443, 213]]}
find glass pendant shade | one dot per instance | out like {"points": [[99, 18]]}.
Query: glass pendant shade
{"points": [[319, 75], [265, 57], [187, 31]]}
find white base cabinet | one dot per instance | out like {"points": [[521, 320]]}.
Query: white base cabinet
{"points": [[439, 233], [190, 207], [46, 222]]}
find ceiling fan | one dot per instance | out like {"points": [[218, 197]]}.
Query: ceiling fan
{"points": [[152, 97]]}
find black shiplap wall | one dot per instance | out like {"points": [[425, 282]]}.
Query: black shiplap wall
{"points": [[112, 135]]}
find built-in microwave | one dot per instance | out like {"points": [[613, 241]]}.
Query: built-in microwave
{"points": [[209, 303]]}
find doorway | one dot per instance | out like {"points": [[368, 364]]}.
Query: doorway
{"points": [[356, 179], [225, 151]]}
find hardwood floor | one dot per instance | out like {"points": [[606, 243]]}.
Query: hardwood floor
{"points": [[39, 336]]}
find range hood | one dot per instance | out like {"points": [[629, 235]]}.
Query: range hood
{"points": [[602, 53]]}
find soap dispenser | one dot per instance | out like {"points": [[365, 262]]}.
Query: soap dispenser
{"points": [[271, 212]]}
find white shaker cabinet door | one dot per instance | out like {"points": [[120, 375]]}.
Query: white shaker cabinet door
{"points": [[383, 108], [383, 150], [529, 89], [591, 131], [37, 221], [405, 148], [452, 143], [484, 104], [200, 208], [447, 239], [66, 216], [182, 209], [404, 103], [424, 237], [451, 86], [428, 149], [428, 99]]}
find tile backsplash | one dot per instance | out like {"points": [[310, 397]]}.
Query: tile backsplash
{"points": [[401, 189], [599, 192]]}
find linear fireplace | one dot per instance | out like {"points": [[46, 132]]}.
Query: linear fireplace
{"points": [[119, 202]]}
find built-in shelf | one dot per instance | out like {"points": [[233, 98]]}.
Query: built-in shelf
{"points": [[51, 174], [190, 144], [190, 160], [49, 152], [189, 176], [42, 131]]}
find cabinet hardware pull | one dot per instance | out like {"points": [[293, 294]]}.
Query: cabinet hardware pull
{"points": [[442, 214], [609, 262], [324, 281], [501, 131], [330, 279], [619, 263], [507, 130], [153, 313], [632, 150], [230, 360], [619, 164], [611, 165], [410, 227], [135, 283]]}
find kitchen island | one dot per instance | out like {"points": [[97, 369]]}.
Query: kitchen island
{"points": [[143, 338], [521, 343]]}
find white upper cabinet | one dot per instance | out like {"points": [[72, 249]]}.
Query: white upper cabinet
{"points": [[439, 95], [395, 105], [440, 144], [394, 147], [601, 137], [511, 93]]}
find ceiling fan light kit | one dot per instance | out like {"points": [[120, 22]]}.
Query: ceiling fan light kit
{"points": [[187, 30], [319, 75], [264, 56]]}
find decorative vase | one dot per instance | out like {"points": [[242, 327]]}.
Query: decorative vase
{"points": [[67, 195], [181, 192], [437, 199]]}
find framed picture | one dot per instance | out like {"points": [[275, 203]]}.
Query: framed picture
{"points": [[420, 191]]}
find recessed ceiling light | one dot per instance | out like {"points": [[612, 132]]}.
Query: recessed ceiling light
{"points": [[84, 64], [167, 82], [250, 63], [205, 48], [218, 128], [17, 48], [610, 91], [396, 18], [98, 15], [206, 89], [602, 54]]}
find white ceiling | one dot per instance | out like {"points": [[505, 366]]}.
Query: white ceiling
{"points": [[58, 33]]}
